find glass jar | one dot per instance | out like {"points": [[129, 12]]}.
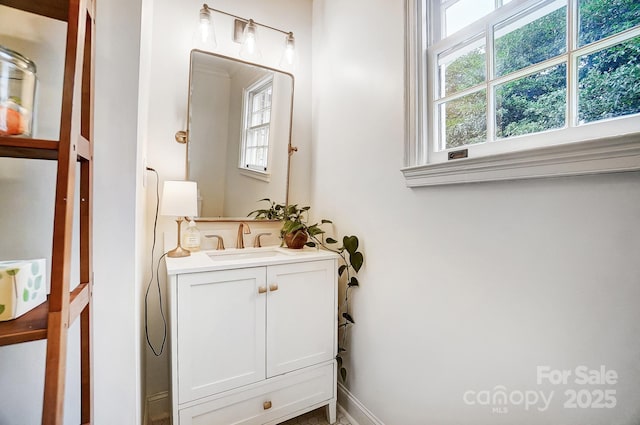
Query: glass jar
{"points": [[17, 93]]}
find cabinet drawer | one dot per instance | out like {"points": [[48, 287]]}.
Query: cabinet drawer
{"points": [[285, 396]]}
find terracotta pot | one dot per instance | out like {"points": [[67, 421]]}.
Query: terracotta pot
{"points": [[296, 240]]}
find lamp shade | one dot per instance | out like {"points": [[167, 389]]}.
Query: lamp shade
{"points": [[180, 198]]}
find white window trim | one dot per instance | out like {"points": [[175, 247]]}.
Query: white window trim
{"points": [[264, 175], [604, 155], [256, 174]]}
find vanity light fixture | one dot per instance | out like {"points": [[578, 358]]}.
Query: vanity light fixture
{"points": [[179, 199], [245, 32]]}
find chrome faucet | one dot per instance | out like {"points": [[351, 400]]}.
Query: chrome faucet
{"points": [[243, 229]]}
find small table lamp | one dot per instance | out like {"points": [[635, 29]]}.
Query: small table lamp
{"points": [[179, 199]]}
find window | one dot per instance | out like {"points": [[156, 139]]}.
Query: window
{"points": [[254, 155], [498, 82]]}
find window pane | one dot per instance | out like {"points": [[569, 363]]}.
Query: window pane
{"points": [[462, 67], [463, 120], [268, 94], [601, 18], [251, 138], [609, 82], [257, 118], [465, 12], [529, 38], [533, 103], [258, 102]]}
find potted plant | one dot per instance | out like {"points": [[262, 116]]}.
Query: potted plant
{"points": [[296, 232]]}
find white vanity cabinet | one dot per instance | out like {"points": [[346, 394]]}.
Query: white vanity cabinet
{"points": [[254, 341]]}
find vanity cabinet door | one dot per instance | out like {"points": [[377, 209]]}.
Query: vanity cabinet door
{"points": [[301, 315], [221, 331]]}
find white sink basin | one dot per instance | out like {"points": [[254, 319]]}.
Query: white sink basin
{"points": [[242, 254]]}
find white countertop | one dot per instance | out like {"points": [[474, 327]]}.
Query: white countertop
{"points": [[202, 261]]}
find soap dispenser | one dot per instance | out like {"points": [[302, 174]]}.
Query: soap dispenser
{"points": [[191, 239]]}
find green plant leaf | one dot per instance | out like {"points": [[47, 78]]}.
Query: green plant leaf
{"points": [[341, 269], [343, 374], [311, 244], [291, 226], [38, 282], [356, 259], [324, 221], [350, 243], [25, 295], [348, 318], [2, 308], [331, 240], [354, 281], [339, 359], [12, 272], [314, 230]]}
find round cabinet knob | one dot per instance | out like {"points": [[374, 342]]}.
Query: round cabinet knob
{"points": [[266, 405], [262, 290], [273, 287]]}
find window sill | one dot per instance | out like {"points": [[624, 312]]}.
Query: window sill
{"points": [[258, 175], [611, 155]]}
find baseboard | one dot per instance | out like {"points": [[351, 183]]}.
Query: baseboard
{"points": [[158, 407], [354, 410]]}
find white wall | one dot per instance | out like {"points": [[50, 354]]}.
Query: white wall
{"points": [[173, 23], [117, 219], [466, 287], [208, 134]]}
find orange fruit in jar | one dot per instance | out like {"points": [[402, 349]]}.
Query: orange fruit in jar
{"points": [[13, 124]]}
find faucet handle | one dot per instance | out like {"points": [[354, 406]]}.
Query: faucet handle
{"points": [[220, 241], [256, 241]]}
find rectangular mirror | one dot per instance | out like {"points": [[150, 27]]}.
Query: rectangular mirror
{"points": [[239, 134]]}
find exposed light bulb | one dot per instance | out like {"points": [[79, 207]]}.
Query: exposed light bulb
{"points": [[249, 48], [289, 54], [204, 37]]}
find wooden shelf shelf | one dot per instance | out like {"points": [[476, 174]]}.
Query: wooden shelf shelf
{"points": [[73, 152], [56, 9], [32, 326], [18, 147]]}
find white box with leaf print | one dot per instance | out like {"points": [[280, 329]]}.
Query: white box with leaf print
{"points": [[23, 286]]}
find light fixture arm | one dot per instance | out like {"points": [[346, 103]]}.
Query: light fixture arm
{"points": [[240, 18]]}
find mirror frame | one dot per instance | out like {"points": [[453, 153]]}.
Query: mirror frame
{"points": [[183, 136]]}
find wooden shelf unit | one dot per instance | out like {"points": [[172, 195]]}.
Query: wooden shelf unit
{"points": [[52, 319]]}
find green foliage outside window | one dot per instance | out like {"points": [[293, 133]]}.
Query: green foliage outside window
{"points": [[608, 80]]}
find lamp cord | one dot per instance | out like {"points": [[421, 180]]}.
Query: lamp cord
{"points": [[157, 275]]}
